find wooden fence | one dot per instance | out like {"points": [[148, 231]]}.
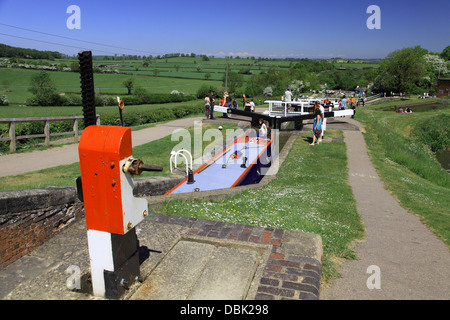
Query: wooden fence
{"points": [[12, 138]]}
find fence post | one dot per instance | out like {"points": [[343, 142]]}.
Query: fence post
{"points": [[75, 130], [12, 136], [47, 132]]}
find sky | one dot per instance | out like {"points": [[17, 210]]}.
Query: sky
{"points": [[260, 28]]}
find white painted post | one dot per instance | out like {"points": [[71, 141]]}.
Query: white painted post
{"points": [[12, 136], [75, 130], [47, 132]]}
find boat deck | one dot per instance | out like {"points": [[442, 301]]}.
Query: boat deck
{"points": [[226, 170]]}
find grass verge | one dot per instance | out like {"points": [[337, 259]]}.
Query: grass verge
{"points": [[311, 194]]}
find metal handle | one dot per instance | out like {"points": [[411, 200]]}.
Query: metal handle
{"points": [[136, 167]]}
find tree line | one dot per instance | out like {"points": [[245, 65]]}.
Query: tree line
{"points": [[412, 70], [409, 70], [15, 52]]}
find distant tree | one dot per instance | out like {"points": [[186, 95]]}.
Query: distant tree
{"points": [[436, 64], [235, 80], [445, 54], [75, 67], [5, 85], [297, 86], [205, 90], [129, 84], [268, 92], [402, 71], [142, 94], [3, 100], [43, 90]]}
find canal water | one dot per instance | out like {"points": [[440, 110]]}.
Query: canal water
{"points": [[444, 159]]}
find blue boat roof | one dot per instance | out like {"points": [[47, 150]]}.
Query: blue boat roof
{"points": [[225, 170]]}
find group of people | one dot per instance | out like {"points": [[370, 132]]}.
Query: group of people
{"points": [[319, 112], [400, 110], [226, 102], [343, 103], [209, 106]]}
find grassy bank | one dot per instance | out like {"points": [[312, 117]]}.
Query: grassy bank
{"points": [[302, 197], [407, 167]]}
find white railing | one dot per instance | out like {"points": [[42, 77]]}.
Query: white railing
{"points": [[372, 97], [174, 157], [299, 107]]}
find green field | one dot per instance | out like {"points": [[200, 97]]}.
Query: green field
{"points": [[184, 74], [69, 82]]}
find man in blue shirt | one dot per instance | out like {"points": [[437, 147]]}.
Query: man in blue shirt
{"points": [[343, 103]]}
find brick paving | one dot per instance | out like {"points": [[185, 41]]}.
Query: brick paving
{"points": [[287, 275]]}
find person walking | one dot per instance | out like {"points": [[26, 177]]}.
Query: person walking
{"points": [[343, 103], [318, 106], [207, 107], [211, 103], [317, 127]]}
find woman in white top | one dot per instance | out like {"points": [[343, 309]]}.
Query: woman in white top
{"points": [[262, 129], [207, 107]]}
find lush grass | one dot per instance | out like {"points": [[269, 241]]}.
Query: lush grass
{"points": [[302, 197], [407, 167]]}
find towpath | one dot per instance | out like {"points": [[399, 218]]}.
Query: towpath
{"points": [[17, 163], [400, 258]]}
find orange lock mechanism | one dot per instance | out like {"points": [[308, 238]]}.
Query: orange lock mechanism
{"points": [[106, 166]]}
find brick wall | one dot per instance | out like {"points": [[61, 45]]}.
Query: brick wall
{"points": [[28, 218]]}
